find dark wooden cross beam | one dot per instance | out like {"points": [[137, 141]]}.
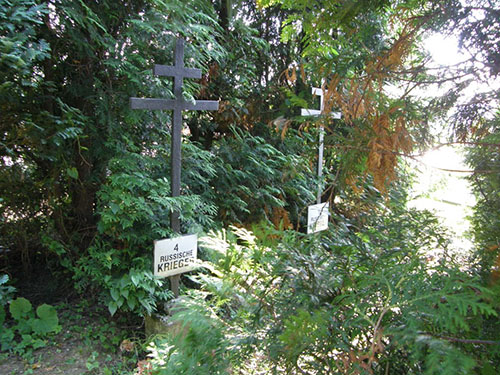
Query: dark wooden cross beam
{"points": [[179, 72]]}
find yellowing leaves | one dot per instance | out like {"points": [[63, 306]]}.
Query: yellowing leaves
{"points": [[381, 128], [384, 147], [379, 125]]}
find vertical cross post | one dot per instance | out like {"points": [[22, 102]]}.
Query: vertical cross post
{"points": [[316, 91], [179, 72]]}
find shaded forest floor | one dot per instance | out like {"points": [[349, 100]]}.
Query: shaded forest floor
{"points": [[89, 342]]}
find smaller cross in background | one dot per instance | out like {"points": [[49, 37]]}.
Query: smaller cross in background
{"points": [[316, 91]]}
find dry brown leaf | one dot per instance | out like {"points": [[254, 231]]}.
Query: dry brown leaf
{"points": [[126, 346]]}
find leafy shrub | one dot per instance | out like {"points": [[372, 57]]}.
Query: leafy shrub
{"points": [[244, 179], [183, 354], [6, 294], [29, 330], [354, 300], [134, 209], [486, 218], [255, 180], [64, 130]]}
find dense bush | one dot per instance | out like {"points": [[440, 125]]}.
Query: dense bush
{"points": [[134, 209], [244, 180], [486, 218], [353, 300], [68, 70], [485, 260], [256, 181]]}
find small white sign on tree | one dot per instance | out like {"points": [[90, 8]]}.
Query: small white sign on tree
{"points": [[173, 256], [317, 217]]}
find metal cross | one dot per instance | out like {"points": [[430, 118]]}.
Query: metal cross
{"points": [[316, 91], [179, 72]]}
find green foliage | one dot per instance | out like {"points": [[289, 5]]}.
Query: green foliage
{"points": [[321, 29], [359, 299], [485, 260], [181, 352], [6, 294], [19, 308], [19, 47], [48, 321], [129, 286], [253, 177], [65, 113], [136, 201], [134, 210], [486, 219], [30, 330], [84, 178]]}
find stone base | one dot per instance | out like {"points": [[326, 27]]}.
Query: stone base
{"points": [[161, 324], [156, 325]]}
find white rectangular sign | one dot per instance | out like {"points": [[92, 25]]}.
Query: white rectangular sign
{"points": [[175, 255], [317, 217]]}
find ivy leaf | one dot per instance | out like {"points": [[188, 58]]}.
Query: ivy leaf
{"points": [[112, 307], [131, 302], [72, 172], [20, 307], [115, 294], [48, 320]]}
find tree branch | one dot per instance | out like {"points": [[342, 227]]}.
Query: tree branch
{"points": [[468, 341]]}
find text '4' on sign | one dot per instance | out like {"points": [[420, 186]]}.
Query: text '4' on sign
{"points": [[175, 255]]}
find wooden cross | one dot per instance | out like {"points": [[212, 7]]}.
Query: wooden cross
{"points": [[316, 91], [179, 72]]}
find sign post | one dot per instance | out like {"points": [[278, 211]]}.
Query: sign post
{"points": [[317, 215], [179, 72]]}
